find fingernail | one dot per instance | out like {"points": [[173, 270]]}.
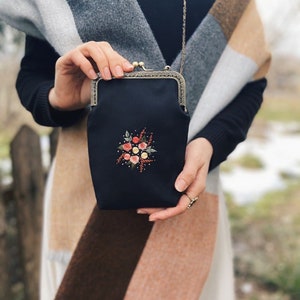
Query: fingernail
{"points": [[180, 185], [152, 219], [106, 73], [93, 74], [128, 65], [140, 211], [119, 71]]}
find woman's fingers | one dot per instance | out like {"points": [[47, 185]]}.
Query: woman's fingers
{"points": [[149, 211], [93, 57], [197, 158], [74, 61], [187, 176], [109, 63], [198, 185], [170, 212], [190, 169], [116, 63]]}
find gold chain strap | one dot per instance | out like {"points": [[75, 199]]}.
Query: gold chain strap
{"points": [[183, 50]]}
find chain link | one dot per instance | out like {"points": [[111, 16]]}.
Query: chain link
{"points": [[183, 50]]}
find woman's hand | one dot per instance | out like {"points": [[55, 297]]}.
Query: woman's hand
{"points": [[75, 70], [191, 180]]}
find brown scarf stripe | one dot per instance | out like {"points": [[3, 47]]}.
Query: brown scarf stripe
{"points": [[228, 14], [106, 256]]}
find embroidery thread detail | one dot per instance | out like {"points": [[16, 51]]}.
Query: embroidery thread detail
{"points": [[137, 150]]}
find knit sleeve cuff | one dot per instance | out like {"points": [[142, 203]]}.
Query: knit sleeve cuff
{"points": [[49, 116]]}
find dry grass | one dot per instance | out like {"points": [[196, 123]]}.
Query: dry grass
{"points": [[266, 250], [281, 108]]}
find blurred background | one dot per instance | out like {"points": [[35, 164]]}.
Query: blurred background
{"points": [[261, 177]]}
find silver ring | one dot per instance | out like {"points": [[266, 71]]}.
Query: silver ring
{"points": [[192, 200]]}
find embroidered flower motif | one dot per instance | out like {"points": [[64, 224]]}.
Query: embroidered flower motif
{"points": [[137, 150]]}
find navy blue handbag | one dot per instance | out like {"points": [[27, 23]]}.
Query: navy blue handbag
{"points": [[137, 135]]}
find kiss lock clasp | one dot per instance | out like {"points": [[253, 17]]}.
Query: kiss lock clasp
{"points": [[141, 65]]}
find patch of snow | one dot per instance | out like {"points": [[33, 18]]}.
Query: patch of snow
{"points": [[279, 153]]}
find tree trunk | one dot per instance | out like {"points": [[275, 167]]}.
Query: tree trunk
{"points": [[4, 279], [29, 182]]}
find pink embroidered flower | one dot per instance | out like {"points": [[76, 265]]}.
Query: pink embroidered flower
{"points": [[135, 139], [134, 159], [127, 147], [143, 146], [127, 156]]}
